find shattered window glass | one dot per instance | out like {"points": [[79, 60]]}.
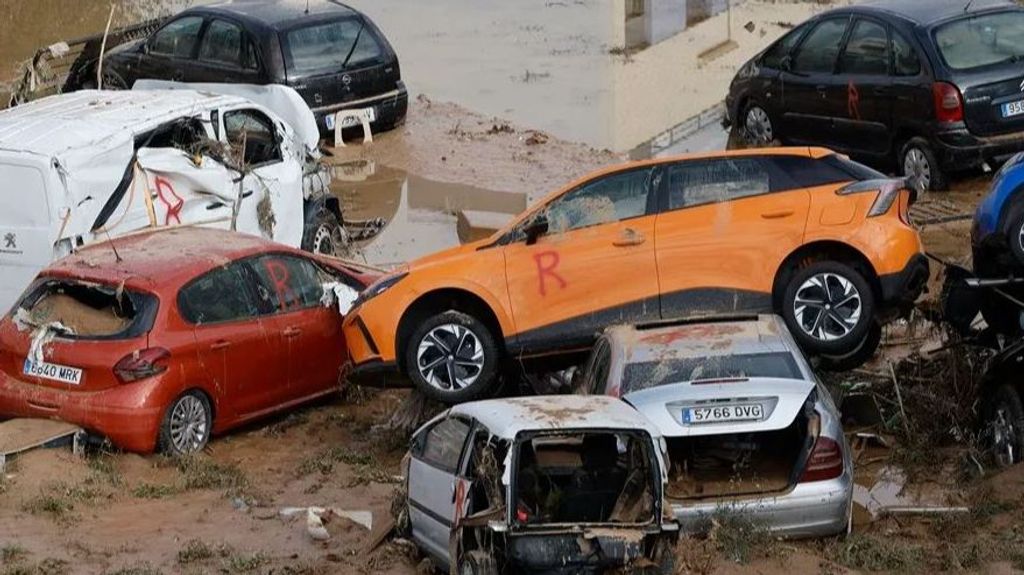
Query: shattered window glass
{"points": [[177, 39], [817, 54], [222, 43], [648, 374], [707, 182], [255, 130], [288, 283], [221, 295], [865, 52], [444, 442], [609, 199]]}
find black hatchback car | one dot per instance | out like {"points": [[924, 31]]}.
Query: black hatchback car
{"points": [[333, 56], [930, 87]]}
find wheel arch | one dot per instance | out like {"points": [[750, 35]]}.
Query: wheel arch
{"points": [[832, 250]]}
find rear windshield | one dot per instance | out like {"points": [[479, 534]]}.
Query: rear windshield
{"points": [[328, 47], [650, 374], [984, 40], [87, 311]]}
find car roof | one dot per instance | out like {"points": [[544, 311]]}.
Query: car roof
{"points": [[707, 337], [277, 14], [162, 259], [51, 125], [932, 11], [506, 418]]}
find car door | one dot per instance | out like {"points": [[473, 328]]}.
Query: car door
{"points": [[308, 332], [435, 484], [593, 267], [272, 195], [226, 54], [170, 52], [862, 101], [242, 361], [809, 81], [725, 226]]}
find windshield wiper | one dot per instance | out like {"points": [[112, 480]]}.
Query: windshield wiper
{"points": [[354, 44]]}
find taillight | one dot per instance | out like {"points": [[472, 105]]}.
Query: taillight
{"points": [[949, 105], [825, 462], [141, 364]]}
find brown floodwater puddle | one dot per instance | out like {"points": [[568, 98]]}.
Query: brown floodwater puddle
{"points": [[421, 214]]}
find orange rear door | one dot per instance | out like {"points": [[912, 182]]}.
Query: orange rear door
{"points": [[725, 227], [594, 267]]}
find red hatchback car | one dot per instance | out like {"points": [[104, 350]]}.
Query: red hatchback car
{"points": [[176, 334]]}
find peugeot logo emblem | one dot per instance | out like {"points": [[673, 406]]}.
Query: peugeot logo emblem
{"points": [[346, 79], [10, 241]]}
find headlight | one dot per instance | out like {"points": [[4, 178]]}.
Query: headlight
{"points": [[378, 287]]}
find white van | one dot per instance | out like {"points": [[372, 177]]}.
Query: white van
{"points": [[89, 166]]}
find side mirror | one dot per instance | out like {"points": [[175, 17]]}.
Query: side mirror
{"points": [[536, 228], [144, 48], [787, 63]]}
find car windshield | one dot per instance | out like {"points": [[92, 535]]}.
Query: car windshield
{"points": [[985, 40], [648, 374], [327, 47]]}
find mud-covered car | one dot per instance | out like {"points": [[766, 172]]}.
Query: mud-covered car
{"points": [[554, 484], [1002, 406], [998, 233], [749, 428]]}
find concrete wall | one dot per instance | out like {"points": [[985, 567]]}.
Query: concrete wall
{"points": [[667, 18]]}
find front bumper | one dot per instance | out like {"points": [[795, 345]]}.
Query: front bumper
{"points": [[958, 149], [122, 414], [815, 509], [901, 289], [391, 109]]}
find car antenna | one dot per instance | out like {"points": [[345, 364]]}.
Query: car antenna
{"points": [[307, 6], [966, 6], [110, 240]]}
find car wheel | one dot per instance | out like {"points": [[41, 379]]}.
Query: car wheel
{"points": [[452, 357], [111, 81], [856, 358], [829, 307], [477, 562], [1004, 426], [325, 235], [1015, 237], [186, 425], [917, 160], [758, 129]]}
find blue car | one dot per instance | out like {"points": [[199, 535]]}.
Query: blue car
{"points": [[998, 233]]}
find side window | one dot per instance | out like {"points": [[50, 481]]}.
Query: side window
{"points": [[706, 182], [222, 44], [219, 296], [255, 131], [288, 283], [774, 56], [612, 198], [443, 444], [817, 54], [177, 39], [866, 51], [602, 365], [904, 58]]}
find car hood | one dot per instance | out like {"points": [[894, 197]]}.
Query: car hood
{"points": [[448, 254], [780, 399]]}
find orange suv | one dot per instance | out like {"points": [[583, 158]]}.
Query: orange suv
{"points": [[803, 232]]}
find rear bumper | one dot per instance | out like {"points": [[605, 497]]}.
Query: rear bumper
{"points": [[901, 289], [959, 149], [122, 414], [813, 509], [391, 109]]}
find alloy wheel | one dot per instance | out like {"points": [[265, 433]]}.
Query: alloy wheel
{"points": [[827, 306], [323, 241], [1004, 446], [916, 164], [758, 126], [188, 424], [450, 357]]}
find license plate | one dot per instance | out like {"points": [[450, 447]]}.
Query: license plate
{"points": [[352, 121], [1013, 109], [740, 412], [52, 371]]}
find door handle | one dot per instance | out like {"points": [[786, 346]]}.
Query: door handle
{"points": [[629, 237], [222, 344], [292, 332], [777, 215]]}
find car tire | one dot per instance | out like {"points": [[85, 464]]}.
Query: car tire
{"points": [[919, 160], [757, 127], [1015, 237], [1004, 426], [856, 358], [325, 235], [843, 300], [477, 562], [186, 425], [431, 362]]}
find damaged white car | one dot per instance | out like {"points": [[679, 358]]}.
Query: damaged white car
{"points": [[553, 484], [89, 166], [749, 427]]}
